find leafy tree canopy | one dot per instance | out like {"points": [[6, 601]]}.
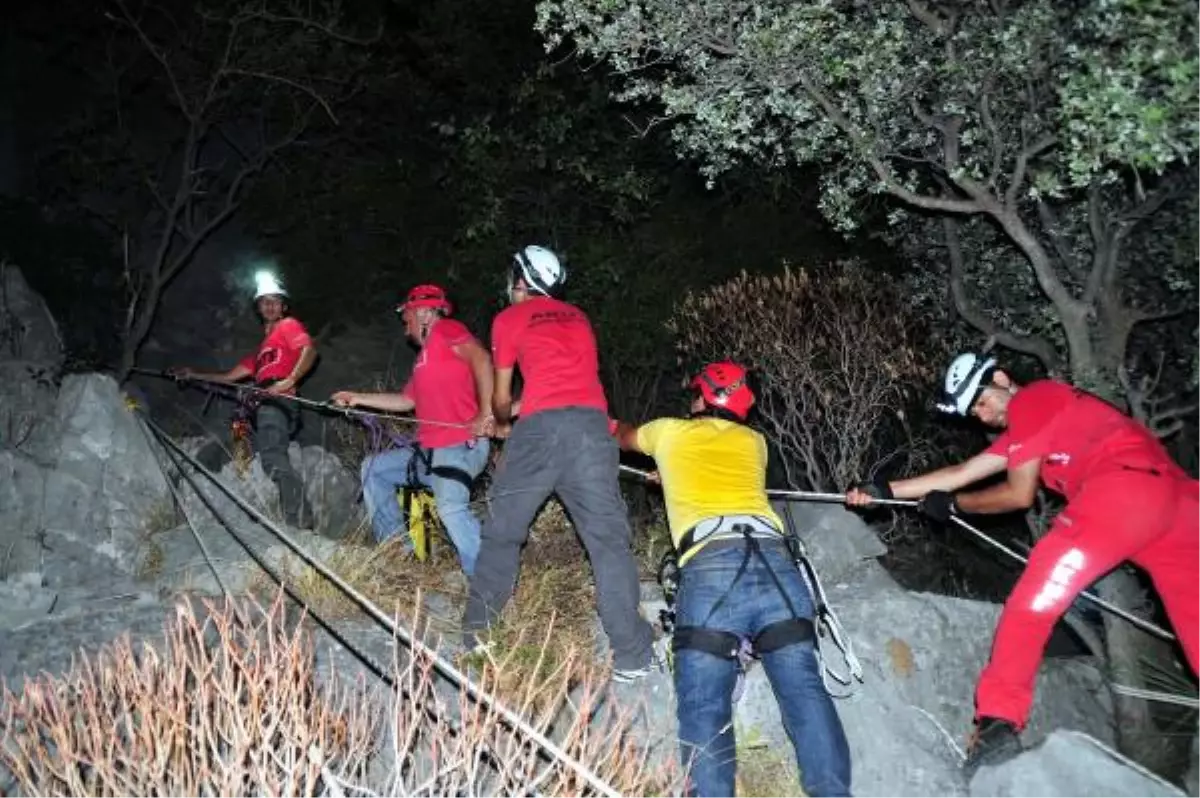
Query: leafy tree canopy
{"points": [[998, 98]]}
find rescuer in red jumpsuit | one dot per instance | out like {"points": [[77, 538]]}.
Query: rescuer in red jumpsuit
{"points": [[1127, 500]]}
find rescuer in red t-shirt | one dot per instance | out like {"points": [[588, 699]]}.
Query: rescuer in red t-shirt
{"points": [[282, 360], [561, 444], [449, 392], [1126, 500]]}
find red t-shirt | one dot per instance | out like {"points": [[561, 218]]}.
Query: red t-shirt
{"points": [[279, 352], [442, 387], [552, 343], [1076, 435]]}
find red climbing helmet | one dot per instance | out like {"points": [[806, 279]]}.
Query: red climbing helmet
{"points": [[723, 385], [426, 296]]}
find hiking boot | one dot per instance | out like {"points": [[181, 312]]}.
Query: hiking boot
{"points": [[994, 742]]}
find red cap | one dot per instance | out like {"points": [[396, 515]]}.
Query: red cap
{"points": [[426, 296], [724, 385]]}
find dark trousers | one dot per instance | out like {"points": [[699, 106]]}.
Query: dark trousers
{"points": [[570, 452], [272, 433]]}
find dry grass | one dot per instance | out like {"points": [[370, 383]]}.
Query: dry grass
{"points": [[555, 588], [163, 517], [386, 574], [231, 706], [764, 770]]}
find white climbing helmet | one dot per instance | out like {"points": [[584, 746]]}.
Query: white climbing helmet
{"points": [[266, 284], [964, 381], [539, 268]]}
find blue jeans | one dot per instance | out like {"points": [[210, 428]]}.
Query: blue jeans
{"points": [[453, 469], [704, 683]]}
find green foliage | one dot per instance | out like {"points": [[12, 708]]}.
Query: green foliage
{"points": [[1129, 87], [1051, 130], [877, 93]]}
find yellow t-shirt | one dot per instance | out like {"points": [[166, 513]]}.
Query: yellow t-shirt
{"points": [[709, 467]]}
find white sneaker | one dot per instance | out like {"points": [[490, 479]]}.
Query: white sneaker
{"points": [[630, 675]]}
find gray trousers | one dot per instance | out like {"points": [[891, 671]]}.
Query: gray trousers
{"points": [[570, 452]]}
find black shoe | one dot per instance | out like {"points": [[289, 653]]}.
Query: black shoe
{"points": [[995, 741]]}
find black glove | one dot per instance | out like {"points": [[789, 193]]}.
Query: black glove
{"points": [[876, 490], [938, 505]]}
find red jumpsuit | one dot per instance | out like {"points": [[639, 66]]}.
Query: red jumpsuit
{"points": [[1127, 500]]}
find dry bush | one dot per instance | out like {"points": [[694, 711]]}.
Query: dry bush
{"points": [[232, 706], [835, 358], [227, 708]]}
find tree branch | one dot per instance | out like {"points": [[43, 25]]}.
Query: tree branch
{"points": [[328, 30], [1031, 345], [930, 18], [1022, 167], [930, 203], [295, 84], [989, 123], [1144, 405], [157, 54], [1102, 248], [1052, 226]]}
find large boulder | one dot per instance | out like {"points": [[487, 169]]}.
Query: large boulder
{"points": [[107, 469], [331, 489], [1069, 763], [838, 541], [27, 329], [31, 358], [22, 505]]}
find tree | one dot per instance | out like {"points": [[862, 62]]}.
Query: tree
{"points": [[1012, 124], [195, 102]]}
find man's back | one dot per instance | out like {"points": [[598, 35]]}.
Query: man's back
{"points": [[710, 467], [552, 342], [1076, 435]]}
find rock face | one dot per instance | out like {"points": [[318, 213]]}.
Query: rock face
{"points": [[103, 448], [31, 357], [82, 488], [27, 330], [332, 490], [1069, 763]]}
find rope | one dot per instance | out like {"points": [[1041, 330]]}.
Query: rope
{"points": [[374, 667], [350, 412], [1153, 695], [840, 498], [168, 445], [1125, 615], [799, 495], [204, 552], [446, 669]]}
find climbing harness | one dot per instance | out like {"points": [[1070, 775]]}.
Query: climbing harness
{"points": [[828, 626], [754, 532]]}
